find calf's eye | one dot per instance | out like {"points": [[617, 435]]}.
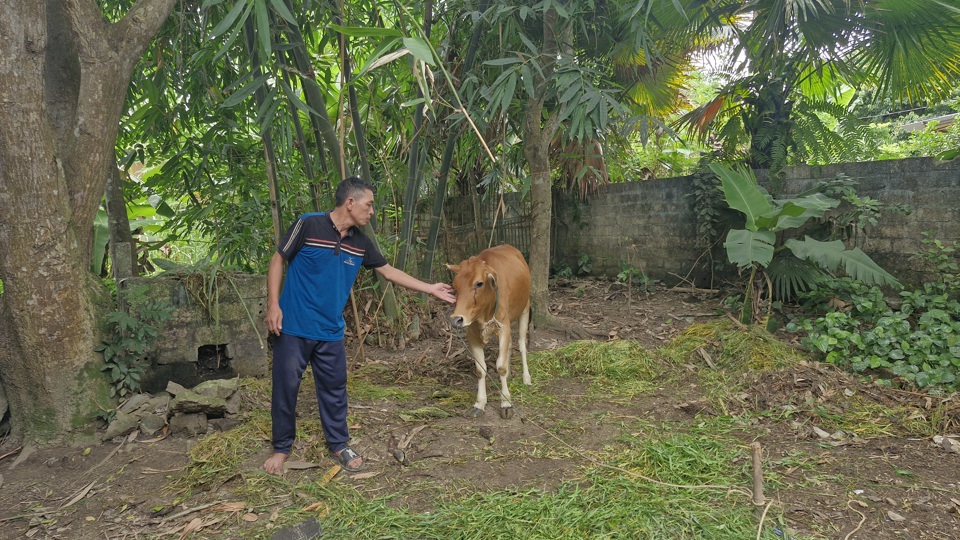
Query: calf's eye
{"points": [[479, 284]]}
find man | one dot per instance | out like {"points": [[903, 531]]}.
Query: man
{"points": [[325, 252]]}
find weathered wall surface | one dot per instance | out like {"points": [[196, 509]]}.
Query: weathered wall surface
{"points": [[214, 341], [651, 225], [931, 188]]}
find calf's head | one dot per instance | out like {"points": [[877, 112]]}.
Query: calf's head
{"points": [[477, 295]]}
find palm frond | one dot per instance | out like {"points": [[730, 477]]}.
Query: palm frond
{"points": [[792, 276]]}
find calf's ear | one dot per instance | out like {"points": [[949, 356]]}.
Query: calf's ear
{"points": [[453, 268], [492, 280]]}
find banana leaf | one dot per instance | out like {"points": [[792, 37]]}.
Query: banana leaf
{"points": [[743, 194], [747, 247], [833, 256]]}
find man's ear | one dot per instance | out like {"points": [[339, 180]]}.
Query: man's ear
{"points": [[455, 268]]}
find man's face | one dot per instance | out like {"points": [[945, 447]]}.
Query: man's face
{"points": [[361, 210]]}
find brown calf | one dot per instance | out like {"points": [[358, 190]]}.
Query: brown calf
{"points": [[493, 290]]}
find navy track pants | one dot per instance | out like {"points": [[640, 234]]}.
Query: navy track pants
{"points": [[328, 359]]}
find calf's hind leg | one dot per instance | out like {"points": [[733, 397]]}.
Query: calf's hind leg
{"points": [[523, 326], [503, 369]]}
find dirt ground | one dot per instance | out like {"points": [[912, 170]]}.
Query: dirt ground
{"points": [[846, 487]]}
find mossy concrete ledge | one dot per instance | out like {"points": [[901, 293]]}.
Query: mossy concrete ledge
{"points": [[217, 329]]}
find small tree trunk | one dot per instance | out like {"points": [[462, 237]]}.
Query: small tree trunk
{"points": [[123, 250], [537, 136], [541, 202]]}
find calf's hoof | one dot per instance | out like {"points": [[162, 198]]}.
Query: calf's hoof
{"points": [[506, 413], [474, 413]]}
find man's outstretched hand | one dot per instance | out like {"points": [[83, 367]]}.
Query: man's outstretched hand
{"points": [[444, 292]]}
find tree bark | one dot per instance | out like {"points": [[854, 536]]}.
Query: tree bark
{"points": [[64, 71], [122, 247], [537, 136]]}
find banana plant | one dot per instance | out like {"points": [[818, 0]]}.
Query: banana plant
{"points": [[757, 246]]}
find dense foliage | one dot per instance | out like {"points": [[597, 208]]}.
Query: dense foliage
{"points": [[131, 335], [916, 340], [913, 338]]}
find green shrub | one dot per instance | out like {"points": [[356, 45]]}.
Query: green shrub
{"points": [[917, 342], [131, 335]]}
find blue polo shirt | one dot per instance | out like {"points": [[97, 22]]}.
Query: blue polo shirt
{"points": [[321, 271]]}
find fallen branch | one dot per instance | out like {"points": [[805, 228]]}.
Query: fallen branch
{"points": [[695, 290], [738, 323], [189, 511], [706, 357], [104, 460], [405, 441], [12, 452], [81, 494]]}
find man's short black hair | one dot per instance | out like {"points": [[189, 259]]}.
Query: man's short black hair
{"points": [[351, 187]]}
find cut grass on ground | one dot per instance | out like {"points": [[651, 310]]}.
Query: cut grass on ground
{"points": [[628, 499]]}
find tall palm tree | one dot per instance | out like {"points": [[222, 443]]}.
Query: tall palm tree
{"points": [[794, 60]]}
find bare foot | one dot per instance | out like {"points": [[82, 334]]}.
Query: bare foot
{"points": [[274, 465]]}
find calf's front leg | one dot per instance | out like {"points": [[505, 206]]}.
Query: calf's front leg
{"points": [[475, 341]]}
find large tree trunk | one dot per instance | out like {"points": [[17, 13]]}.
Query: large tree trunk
{"points": [[64, 71]]}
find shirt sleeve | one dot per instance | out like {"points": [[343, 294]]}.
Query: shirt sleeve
{"points": [[372, 258], [292, 240]]}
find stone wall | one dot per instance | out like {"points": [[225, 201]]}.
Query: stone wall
{"points": [[651, 224], [223, 339]]}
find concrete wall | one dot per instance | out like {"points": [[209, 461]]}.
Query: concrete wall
{"points": [[197, 346], [651, 224], [930, 187]]}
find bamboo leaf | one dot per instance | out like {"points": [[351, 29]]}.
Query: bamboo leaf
{"points": [[420, 49], [354, 31], [282, 10], [503, 61], [233, 37], [382, 60], [508, 91], [231, 18], [245, 91], [527, 77], [295, 99], [263, 27]]}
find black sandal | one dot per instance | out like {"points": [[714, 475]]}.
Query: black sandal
{"points": [[345, 456]]}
